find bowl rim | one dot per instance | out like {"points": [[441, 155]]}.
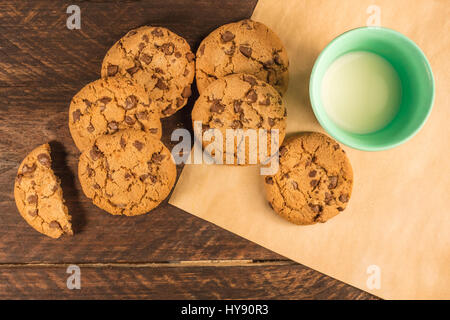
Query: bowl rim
{"points": [[344, 141]]}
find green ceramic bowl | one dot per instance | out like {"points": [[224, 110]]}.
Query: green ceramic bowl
{"points": [[415, 75]]}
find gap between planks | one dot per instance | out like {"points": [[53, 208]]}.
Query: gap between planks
{"points": [[168, 264]]}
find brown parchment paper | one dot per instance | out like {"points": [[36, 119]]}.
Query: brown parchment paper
{"points": [[398, 218]]}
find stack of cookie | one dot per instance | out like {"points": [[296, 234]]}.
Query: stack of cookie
{"points": [[241, 73], [115, 123]]}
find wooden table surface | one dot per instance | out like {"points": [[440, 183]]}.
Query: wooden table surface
{"points": [[166, 254]]}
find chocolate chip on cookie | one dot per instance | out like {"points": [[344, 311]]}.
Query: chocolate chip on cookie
{"points": [[28, 169], [95, 153], [230, 103], [217, 107], [245, 50], [227, 36], [251, 96], [76, 115], [131, 102], [138, 145], [44, 159], [112, 69], [157, 157]]}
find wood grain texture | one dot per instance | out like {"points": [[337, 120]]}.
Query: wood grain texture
{"points": [[42, 65], [261, 282], [39, 50]]}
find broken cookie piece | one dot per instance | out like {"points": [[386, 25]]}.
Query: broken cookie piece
{"points": [[39, 196]]}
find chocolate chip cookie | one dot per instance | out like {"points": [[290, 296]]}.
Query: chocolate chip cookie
{"points": [[240, 101], [242, 47], [39, 196], [127, 173], [157, 59], [108, 105], [314, 181]]}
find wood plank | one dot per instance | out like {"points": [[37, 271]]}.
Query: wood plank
{"points": [[289, 281], [36, 48]]}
